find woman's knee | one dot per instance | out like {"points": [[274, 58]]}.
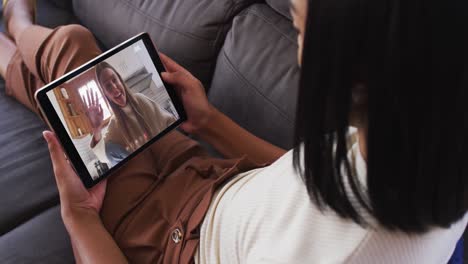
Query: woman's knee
{"points": [[78, 42], [70, 47], [75, 34]]}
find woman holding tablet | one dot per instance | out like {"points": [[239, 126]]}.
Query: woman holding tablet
{"points": [[396, 70]]}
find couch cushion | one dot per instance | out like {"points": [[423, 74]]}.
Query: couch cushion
{"points": [[190, 31], [64, 5], [281, 6], [30, 231], [43, 239], [27, 184], [62, 13], [256, 77]]}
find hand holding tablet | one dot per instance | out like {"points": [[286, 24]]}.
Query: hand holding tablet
{"points": [[110, 109], [192, 94]]}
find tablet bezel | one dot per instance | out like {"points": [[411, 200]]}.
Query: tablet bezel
{"points": [[56, 125]]}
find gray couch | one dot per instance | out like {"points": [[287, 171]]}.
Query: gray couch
{"points": [[244, 51]]}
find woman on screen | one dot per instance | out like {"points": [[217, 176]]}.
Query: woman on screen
{"points": [[135, 120]]}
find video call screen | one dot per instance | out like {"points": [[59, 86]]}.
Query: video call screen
{"points": [[114, 108]]}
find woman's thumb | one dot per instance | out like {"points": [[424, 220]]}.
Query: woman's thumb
{"points": [[177, 79], [48, 135], [59, 161]]}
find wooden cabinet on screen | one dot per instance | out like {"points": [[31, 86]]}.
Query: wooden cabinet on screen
{"points": [[74, 113]]}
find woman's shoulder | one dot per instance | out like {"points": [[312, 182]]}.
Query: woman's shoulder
{"points": [[145, 101], [141, 98], [275, 202]]}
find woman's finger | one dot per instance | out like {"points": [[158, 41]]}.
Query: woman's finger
{"points": [[59, 161], [84, 101], [177, 79], [89, 97], [170, 64], [96, 98], [93, 94]]}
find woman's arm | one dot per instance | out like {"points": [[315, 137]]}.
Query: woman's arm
{"points": [[212, 126], [80, 211], [91, 241], [75, 252]]}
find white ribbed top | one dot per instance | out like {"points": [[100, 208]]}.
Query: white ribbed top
{"points": [[266, 216]]}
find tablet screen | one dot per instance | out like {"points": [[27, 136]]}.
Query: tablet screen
{"points": [[114, 108]]}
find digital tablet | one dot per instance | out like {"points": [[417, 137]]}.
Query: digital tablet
{"points": [[110, 109]]}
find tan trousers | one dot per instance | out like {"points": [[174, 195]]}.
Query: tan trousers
{"points": [[153, 205]]}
